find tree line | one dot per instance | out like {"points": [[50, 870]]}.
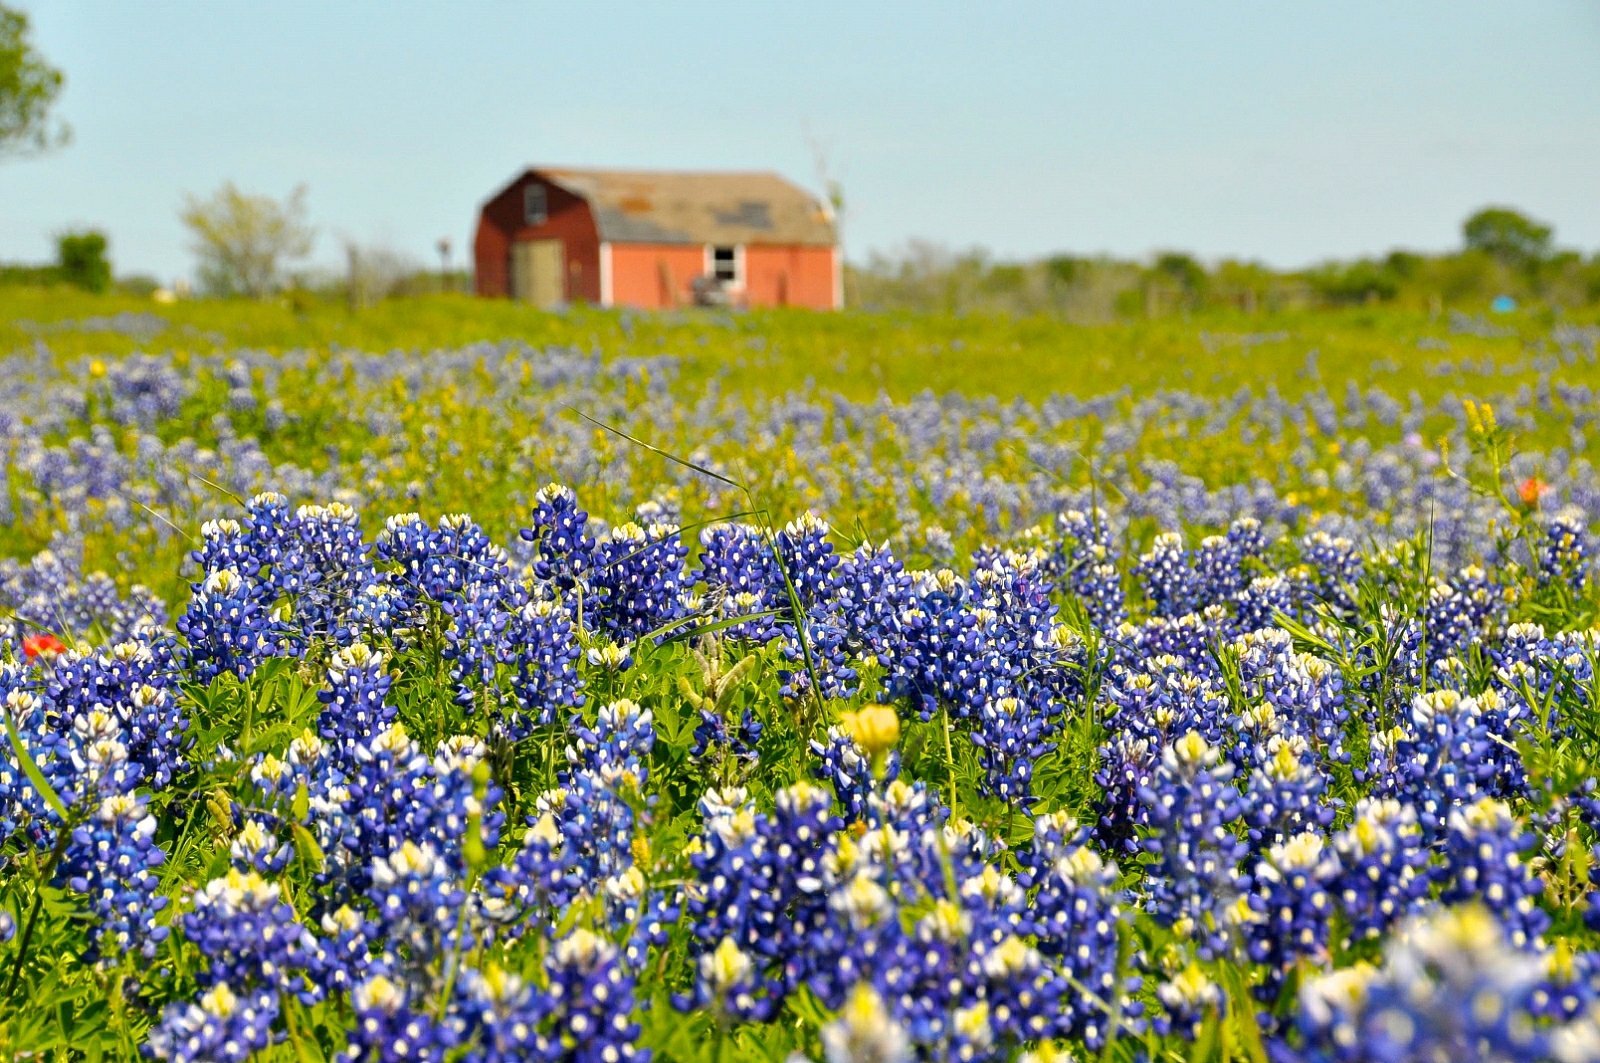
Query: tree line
{"points": [[1505, 257]]}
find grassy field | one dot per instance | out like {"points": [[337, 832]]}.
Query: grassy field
{"points": [[449, 680]]}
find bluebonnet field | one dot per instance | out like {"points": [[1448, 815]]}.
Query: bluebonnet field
{"points": [[902, 689]]}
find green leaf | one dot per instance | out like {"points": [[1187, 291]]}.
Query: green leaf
{"points": [[31, 770], [305, 844]]}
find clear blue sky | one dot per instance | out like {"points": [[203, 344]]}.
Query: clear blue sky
{"points": [[1287, 132]]}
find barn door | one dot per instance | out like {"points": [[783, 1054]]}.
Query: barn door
{"points": [[537, 272]]}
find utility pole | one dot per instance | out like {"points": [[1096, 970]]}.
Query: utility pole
{"points": [[444, 264]]}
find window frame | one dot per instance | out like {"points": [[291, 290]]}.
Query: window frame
{"points": [[735, 281], [528, 197]]}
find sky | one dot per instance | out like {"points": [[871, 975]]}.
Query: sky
{"points": [[1287, 133]]}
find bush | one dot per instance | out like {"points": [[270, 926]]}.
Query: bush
{"points": [[140, 285], [29, 276], [82, 261]]}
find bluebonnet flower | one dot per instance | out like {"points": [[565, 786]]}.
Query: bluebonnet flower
{"points": [[344, 950], [1126, 773], [873, 587], [1073, 917], [847, 766], [219, 1027], [1011, 735], [250, 936], [145, 389], [114, 861], [742, 580], [439, 564], [1450, 983], [224, 544], [760, 879], [1286, 793], [1025, 997], [1292, 907], [1305, 691], [544, 681], [1439, 761], [563, 551], [1337, 565], [458, 797], [417, 897], [50, 590], [82, 758], [269, 543], [503, 1015], [391, 1025], [354, 707], [603, 791], [814, 572], [542, 878], [1169, 578], [592, 999], [1266, 597], [228, 627], [1383, 874], [730, 985], [1188, 998], [1188, 638], [369, 804], [1162, 697], [121, 694], [949, 656], [1483, 859], [636, 583], [1571, 984], [1461, 611], [1563, 554], [1191, 806], [735, 558], [1222, 562], [1533, 668], [478, 639], [864, 1031], [323, 569]]}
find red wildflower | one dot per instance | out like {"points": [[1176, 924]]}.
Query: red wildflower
{"points": [[42, 645], [1531, 490]]}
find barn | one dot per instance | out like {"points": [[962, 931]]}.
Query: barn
{"points": [[657, 240]]}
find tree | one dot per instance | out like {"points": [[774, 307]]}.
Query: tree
{"points": [[1509, 236], [376, 271], [1181, 269], [243, 240], [28, 88], [81, 260]]}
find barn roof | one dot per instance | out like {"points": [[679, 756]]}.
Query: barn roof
{"points": [[663, 207]]}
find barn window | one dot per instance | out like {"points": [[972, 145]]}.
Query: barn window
{"points": [[725, 264], [535, 205]]}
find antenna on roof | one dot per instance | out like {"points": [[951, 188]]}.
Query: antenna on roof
{"points": [[832, 190]]}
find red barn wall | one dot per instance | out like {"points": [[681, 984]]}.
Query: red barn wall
{"points": [[658, 276], [569, 220], [789, 276], [655, 276]]}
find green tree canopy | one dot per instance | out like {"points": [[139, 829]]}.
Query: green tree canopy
{"points": [[1181, 269], [1508, 235], [28, 88], [244, 240], [81, 258]]}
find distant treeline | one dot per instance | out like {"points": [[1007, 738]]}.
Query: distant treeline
{"points": [[1504, 255], [81, 261]]}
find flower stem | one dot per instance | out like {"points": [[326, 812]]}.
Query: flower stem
{"points": [[64, 833]]}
